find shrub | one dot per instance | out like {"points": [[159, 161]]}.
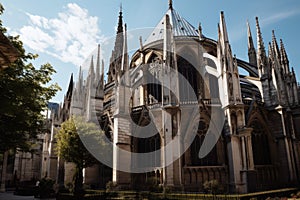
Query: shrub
{"points": [[45, 188], [152, 184], [211, 186], [110, 186]]}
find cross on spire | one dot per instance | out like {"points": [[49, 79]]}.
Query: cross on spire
{"points": [[120, 23], [170, 4]]}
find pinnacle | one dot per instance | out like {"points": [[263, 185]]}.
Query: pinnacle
{"points": [[171, 4]]}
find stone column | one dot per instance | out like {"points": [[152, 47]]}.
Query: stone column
{"points": [[236, 184], [248, 174], [167, 155], [122, 141], [286, 143]]}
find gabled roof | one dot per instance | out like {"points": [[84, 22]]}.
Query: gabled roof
{"points": [[180, 27]]}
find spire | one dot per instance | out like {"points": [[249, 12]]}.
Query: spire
{"points": [[284, 58], [167, 40], [141, 43], [251, 49], [223, 28], [250, 39], [120, 23], [219, 32], [70, 88], [171, 4], [116, 56], [219, 50], [80, 79], [125, 64], [200, 31], [91, 70], [79, 74], [260, 43], [275, 45], [261, 52], [270, 51], [102, 74], [97, 78], [224, 46]]}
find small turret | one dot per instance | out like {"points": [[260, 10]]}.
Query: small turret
{"points": [[115, 66], [120, 22], [228, 67], [102, 74], [200, 31], [98, 66], [125, 64], [284, 59], [91, 69], [223, 29], [275, 45], [251, 49], [262, 62]]}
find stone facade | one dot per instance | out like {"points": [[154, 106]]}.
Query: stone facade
{"points": [[258, 147]]}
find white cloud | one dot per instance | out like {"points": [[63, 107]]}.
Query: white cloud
{"points": [[70, 37], [239, 32], [279, 16]]}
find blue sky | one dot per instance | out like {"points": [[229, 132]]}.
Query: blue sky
{"points": [[65, 33]]}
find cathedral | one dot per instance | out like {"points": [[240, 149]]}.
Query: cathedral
{"points": [[182, 85]]}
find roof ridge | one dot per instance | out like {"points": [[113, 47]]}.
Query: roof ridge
{"points": [[180, 27]]}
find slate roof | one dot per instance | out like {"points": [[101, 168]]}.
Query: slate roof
{"points": [[180, 27]]}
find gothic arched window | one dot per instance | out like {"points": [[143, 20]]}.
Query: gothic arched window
{"points": [[151, 144], [213, 86], [211, 159], [190, 73], [154, 89], [260, 144]]}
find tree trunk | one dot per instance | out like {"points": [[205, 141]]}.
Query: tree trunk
{"points": [[78, 183], [3, 176]]}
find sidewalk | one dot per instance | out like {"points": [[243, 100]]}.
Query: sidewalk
{"points": [[11, 196]]}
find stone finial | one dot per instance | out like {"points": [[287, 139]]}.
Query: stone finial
{"points": [[97, 78], [251, 48], [200, 31], [284, 57], [223, 28], [261, 51], [141, 43], [275, 45], [260, 43], [250, 39], [91, 70], [120, 23]]}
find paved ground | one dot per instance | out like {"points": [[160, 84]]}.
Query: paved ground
{"points": [[11, 196]]}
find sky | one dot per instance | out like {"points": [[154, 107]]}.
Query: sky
{"points": [[66, 33]]}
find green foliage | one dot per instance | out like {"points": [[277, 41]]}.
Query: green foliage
{"points": [[25, 92], [70, 187], [71, 148], [45, 188], [69, 143], [110, 186], [152, 184], [211, 186]]}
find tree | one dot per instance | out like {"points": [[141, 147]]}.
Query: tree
{"points": [[25, 92], [71, 148]]}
